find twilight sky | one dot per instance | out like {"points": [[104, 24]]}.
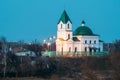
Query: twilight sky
{"points": [[37, 19]]}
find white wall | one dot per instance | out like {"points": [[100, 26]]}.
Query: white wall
{"points": [[64, 31], [82, 43]]}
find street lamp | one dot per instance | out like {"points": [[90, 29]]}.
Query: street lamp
{"points": [[54, 37], [44, 41], [49, 42], [50, 38], [49, 48]]}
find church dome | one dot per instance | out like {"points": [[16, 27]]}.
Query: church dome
{"points": [[83, 30]]}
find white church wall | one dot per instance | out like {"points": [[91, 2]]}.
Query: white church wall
{"points": [[69, 46], [78, 46], [62, 26], [64, 30], [101, 46], [89, 41]]}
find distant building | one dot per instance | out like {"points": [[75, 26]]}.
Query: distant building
{"points": [[25, 53], [81, 40]]}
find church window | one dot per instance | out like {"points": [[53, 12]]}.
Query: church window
{"points": [[99, 49], [94, 49], [85, 41], [61, 26], [69, 49], [62, 50], [90, 41], [75, 49], [68, 26], [90, 50], [94, 42], [85, 49], [68, 36]]}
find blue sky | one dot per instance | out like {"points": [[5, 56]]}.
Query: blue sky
{"points": [[37, 19]]}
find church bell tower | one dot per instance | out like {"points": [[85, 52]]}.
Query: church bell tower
{"points": [[64, 27]]}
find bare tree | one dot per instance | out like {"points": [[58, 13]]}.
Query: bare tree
{"points": [[4, 51], [115, 60]]}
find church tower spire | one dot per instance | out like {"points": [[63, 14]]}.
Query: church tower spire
{"points": [[64, 18], [64, 27]]}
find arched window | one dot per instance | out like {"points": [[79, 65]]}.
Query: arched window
{"points": [[85, 41], [94, 42], [75, 49], [69, 49], [94, 49], [61, 26], [62, 51], [99, 49], [85, 49], [90, 41], [68, 36], [68, 26]]}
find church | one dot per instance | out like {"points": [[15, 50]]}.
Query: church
{"points": [[80, 41]]}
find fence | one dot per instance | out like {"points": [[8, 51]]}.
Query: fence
{"points": [[71, 54]]}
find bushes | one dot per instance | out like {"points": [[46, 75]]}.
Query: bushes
{"points": [[95, 63], [23, 67]]}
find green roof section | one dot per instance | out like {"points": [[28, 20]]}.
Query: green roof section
{"points": [[75, 39], [83, 31], [101, 41], [64, 18]]}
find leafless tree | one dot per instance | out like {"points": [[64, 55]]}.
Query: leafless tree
{"points": [[115, 60], [4, 51]]}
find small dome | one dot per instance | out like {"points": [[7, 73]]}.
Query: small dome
{"points": [[83, 31]]}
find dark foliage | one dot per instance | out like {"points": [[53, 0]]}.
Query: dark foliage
{"points": [[95, 63], [115, 60], [34, 47], [27, 66]]}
